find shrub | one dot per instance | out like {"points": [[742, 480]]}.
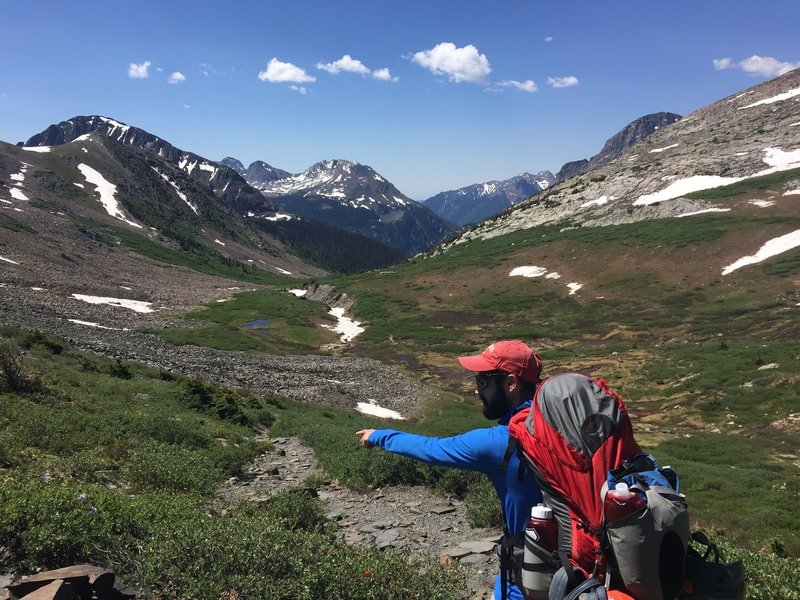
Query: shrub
{"points": [[11, 374]]}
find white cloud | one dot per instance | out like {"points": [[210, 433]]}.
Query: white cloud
{"points": [[459, 64], [177, 77], [347, 63], [300, 89], [281, 72], [562, 82], [384, 75], [549, 38], [139, 71], [720, 64], [523, 86], [766, 66]]}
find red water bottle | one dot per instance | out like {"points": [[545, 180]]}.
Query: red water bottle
{"points": [[541, 539], [622, 502]]}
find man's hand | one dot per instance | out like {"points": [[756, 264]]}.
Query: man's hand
{"points": [[364, 435]]}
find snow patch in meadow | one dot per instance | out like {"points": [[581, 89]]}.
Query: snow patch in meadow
{"points": [[216, 241], [762, 203], [574, 287], [527, 271], [283, 271], [372, 409], [8, 260], [37, 148], [792, 192], [534, 271], [135, 305], [771, 248], [346, 327], [298, 293], [107, 191]]}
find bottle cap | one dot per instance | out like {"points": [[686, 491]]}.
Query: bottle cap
{"points": [[541, 512], [622, 488]]}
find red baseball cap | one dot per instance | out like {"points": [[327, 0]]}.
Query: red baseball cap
{"points": [[511, 356]]}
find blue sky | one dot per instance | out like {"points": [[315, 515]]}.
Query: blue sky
{"points": [[434, 95]]}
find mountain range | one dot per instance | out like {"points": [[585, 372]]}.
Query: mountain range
{"points": [[479, 201], [354, 197]]}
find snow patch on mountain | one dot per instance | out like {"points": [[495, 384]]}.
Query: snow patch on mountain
{"points": [[107, 192]]}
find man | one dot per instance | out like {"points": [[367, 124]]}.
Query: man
{"points": [[506, 376]]}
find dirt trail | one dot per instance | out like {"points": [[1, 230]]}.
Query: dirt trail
{"points": [[390, 517]]}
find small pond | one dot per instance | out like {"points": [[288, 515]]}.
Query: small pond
{"points": [[258, 324]]}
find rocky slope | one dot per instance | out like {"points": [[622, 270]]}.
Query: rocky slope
{"points": [[751, 133]]}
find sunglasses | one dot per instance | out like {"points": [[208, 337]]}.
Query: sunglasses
{"points": [[482, 379]]}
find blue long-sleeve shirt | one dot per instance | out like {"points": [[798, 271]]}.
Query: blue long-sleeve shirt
{"points": [[481, 450]]}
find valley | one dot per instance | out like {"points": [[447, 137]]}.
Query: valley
{"points": [[192, 330]]}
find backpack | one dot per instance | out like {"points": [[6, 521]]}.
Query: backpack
{"points": [[577, 440]]}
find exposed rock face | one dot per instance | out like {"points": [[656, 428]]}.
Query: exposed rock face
{"points": [[226, 183], [477, 202], [572, 169], [619, 142]]}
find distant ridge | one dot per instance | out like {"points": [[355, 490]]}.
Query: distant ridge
{"points": [[258, 173], [474, 203]]}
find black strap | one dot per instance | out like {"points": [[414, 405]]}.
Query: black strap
{"points": [[512, 446], [506, 552]]}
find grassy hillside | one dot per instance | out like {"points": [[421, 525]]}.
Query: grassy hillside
{"points": [[117, 464]]}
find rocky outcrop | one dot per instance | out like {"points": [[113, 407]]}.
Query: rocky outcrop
{"points": [[77, 582], [618, 143]]}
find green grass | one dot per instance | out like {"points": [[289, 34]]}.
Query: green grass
{"points": [[12, 224], [295, 324]]}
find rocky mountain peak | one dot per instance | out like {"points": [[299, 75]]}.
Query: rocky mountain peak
{"points": [[617, 144], [224, 180]]}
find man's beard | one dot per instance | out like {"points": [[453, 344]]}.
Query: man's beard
{"points": [[496, 407]]}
